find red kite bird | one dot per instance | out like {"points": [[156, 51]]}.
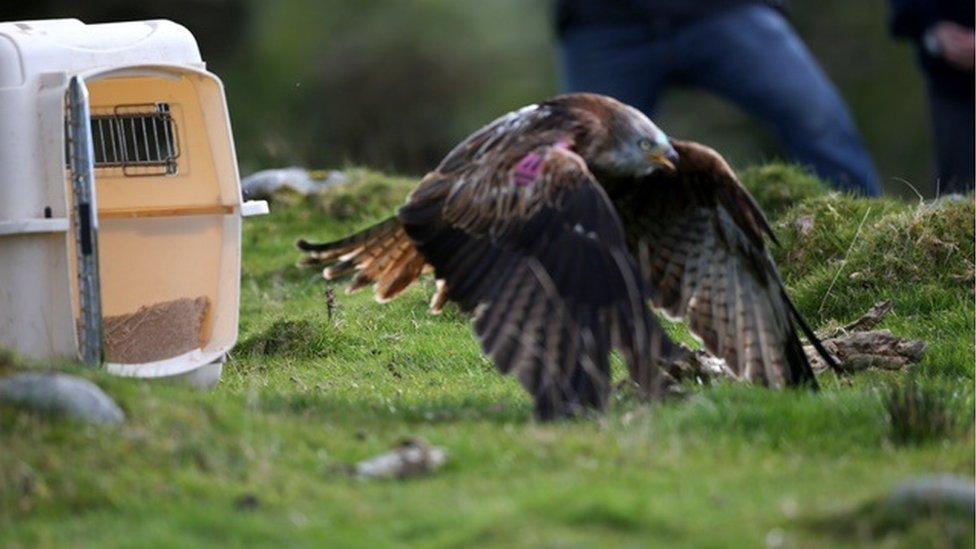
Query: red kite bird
{"points": [[557, 223]]}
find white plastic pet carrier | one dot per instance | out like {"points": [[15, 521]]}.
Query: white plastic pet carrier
{"points": [[120, 201]]}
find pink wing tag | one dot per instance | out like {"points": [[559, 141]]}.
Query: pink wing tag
{"points": [[528, 169]]}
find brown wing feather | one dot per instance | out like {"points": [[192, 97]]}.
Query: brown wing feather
{"points": [[699, 235], [544, 267], [380, 254]]}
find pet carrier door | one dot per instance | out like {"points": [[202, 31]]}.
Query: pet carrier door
{"points": [[85, 221]]}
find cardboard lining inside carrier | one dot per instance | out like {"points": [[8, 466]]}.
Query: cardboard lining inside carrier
{"points": [[156, 332]]}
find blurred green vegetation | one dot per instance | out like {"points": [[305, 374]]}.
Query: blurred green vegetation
{"points": [[393, 84]]}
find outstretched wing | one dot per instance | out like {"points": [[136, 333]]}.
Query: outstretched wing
{"points": [[383, 256], [699, 237], [532, 244]]}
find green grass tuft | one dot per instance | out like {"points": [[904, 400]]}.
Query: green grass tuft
{"points": [[368, 194], [778, 187], [918, 413], [878, 244], [305, 338]]}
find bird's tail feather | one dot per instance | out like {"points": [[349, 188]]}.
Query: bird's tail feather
{"points": [[382, 254], [811, 336], [325, 252]]}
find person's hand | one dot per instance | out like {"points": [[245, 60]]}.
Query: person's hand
{"points": [[957, 44]]}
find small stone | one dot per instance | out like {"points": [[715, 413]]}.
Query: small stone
{"points": [[775, 538], [935, 493], [60, 394], [804, 225], [278, 184], [413, 457], [790, 507]]}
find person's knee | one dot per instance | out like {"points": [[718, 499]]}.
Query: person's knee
{"points": [[813, 114], [822, 134]]}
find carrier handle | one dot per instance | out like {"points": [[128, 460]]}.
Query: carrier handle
{"points": [[82, 166]]}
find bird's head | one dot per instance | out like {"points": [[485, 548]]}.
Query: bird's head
{"points": [[617, 139]]}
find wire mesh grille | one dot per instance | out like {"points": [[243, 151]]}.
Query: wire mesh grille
{"points": [[135, 140]]}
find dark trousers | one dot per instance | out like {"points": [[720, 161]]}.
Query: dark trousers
{"points": [[749, 55], [954, 128]]}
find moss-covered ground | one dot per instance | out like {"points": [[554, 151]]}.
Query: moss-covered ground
{"points": [[263, 458]]}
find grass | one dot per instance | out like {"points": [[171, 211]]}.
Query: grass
{"points": [[262, 459], [918, 412]]}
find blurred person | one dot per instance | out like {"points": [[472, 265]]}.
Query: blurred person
{"points": [[743, 50], [943, 33]]}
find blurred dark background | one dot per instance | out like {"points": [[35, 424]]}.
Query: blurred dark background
{"points": [[394, 84]]}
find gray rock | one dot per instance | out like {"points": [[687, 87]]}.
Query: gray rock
{"points": [[412, 457], [944, 492], [265, 184], [60, 394]]}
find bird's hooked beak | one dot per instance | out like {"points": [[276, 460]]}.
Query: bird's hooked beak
{"points": [[664, 156]]}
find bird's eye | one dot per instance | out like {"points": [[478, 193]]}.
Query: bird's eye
{"points": [[645, 144]]}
